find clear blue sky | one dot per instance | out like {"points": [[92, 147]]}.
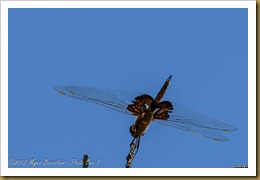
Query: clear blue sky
{"points": [[134, 49]]}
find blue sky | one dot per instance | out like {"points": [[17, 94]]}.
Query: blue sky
{"points": [[134, 49]]}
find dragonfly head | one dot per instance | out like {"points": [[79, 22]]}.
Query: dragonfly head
{"points": [[133, 132]]}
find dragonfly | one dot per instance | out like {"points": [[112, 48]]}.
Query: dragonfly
{"points": [[148, 109]]}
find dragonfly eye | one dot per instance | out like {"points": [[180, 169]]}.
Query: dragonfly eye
{"points": [[132, 130]]}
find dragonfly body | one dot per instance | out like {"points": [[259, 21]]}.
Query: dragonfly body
{"points": [[148, 109]]}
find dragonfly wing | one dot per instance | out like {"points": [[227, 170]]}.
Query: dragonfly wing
{"points": [[117, 100], [192, 121], [215, 135]]}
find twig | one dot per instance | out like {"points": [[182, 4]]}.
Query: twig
{"points": [[243, 166], [85, 161], [130, 155]]}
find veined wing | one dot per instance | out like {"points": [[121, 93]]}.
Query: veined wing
{"points": [[181, 117], [191, 121], [117, 100]]}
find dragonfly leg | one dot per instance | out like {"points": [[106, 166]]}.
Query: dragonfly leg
{"points": [[132, 142], [137, 145]]}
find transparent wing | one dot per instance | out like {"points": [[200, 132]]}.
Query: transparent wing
{"points": [[181, 117], [191, 121], [117, 100]]}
